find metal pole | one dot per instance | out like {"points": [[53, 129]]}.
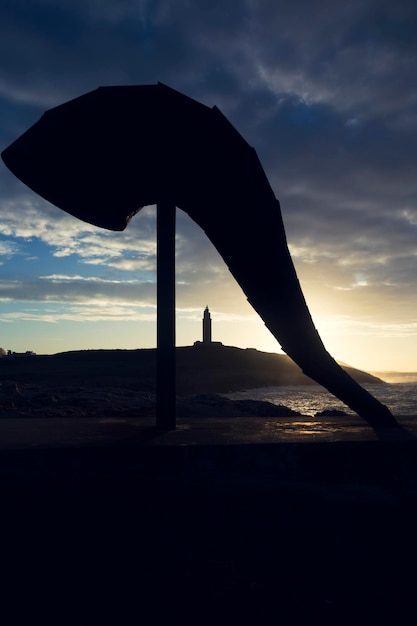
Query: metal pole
{"points": [[165, 321]]}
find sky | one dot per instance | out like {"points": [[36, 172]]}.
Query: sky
{"points": [[326, 92]]}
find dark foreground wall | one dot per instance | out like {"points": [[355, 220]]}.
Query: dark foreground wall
{"points": [[290, 533]]}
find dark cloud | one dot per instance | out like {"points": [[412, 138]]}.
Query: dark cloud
{"points": [[324, 91]]}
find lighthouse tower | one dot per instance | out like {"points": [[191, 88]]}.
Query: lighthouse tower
{"points": [[206, 326]]}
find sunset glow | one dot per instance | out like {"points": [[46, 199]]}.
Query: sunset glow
{"points": [[333, 123]]}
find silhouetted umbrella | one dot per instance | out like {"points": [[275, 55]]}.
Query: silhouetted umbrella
{"points": [[104, 155], [107, 153]]}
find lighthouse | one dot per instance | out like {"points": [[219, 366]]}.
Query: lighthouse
{"points": [[206, 326], [207, 332]]}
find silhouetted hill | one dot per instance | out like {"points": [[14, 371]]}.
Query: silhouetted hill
{"points": [[223, 368], [200, 369]]}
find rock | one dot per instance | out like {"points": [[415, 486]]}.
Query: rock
{"points": [[214, 405], [48, 400], [331, 413]]}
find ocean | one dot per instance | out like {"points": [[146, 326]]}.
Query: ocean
{"points": [[400, 398]]}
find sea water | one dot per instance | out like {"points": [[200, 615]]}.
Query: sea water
{"points": [[400, 398]]}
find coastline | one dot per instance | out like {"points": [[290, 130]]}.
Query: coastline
{"points": [[295, 520]]}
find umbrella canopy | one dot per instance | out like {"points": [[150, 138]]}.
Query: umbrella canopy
{"points": [[104, 155]]}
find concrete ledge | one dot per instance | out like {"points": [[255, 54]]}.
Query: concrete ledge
{"points": [[64, 432], [235, 450], [116, 520]]}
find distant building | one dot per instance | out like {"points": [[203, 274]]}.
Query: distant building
{"points": [[207, 340], [206, 326], [4, 353]]}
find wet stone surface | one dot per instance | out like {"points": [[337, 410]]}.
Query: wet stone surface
{"points": [[43, 400]]}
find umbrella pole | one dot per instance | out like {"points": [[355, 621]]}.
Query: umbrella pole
{"points": [[165, 316]]}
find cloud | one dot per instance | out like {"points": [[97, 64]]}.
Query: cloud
{"points": [[8, 249], [27, 217], [81, 314], [357, 55], [325, 93], [77, 290]]}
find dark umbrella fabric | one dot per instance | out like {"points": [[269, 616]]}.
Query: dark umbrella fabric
{"points": [[104, 155]]}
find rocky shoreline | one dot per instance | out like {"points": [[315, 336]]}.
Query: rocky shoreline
{"points": [[48, 400]]}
